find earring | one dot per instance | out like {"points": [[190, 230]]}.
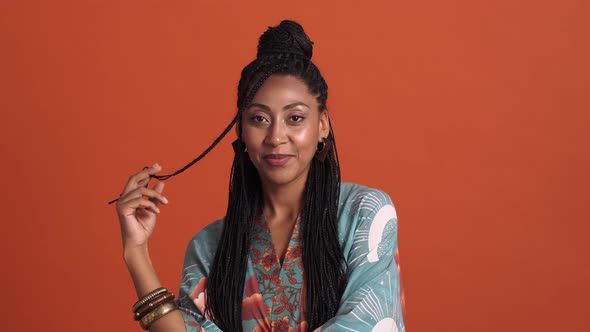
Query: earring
{"points": [[239, 146], [323, 149], [321, 146]]}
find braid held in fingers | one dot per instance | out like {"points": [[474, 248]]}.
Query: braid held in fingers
{"points": [[138, 207]]}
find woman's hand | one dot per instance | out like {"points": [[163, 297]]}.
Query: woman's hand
{"points": [[137, 215]]}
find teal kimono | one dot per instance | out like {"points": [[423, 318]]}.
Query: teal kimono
{"points": [[274, 293]]}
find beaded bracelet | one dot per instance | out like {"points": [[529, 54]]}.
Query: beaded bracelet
{"points": [[150, 305], [148, 297], [159, 312]]}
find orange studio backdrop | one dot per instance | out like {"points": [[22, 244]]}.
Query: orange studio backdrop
{"points": [[472, 115]]}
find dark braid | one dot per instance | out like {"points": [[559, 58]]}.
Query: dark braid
{"points": [[323, 260]]}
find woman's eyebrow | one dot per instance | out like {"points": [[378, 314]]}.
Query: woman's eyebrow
{"points": [[266, 108]]}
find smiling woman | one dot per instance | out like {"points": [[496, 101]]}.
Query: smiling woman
{"points": [[281, 130], [297, 250]]}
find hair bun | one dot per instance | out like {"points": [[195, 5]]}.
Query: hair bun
{"points": [[287, 38]]}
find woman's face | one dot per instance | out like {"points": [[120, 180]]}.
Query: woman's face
{"points": [[282, 128]]}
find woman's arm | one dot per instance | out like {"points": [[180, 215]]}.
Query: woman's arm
{"points": [[137, 217], [373, 297], [145, 280]]}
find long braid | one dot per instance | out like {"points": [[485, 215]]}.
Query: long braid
{"points": [[324, 273]]}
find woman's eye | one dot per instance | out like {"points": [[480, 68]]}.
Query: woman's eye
{"points": [[258, 118], [297, 118]]}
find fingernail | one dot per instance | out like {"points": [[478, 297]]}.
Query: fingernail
{"points": [[158, 210], [165, 200]]}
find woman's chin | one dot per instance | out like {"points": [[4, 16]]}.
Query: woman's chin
{"points": [[279, 178]]}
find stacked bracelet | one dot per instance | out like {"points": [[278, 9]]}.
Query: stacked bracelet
{"points": [[156, 314], [153, 306], [150, 305], [148, 297]]}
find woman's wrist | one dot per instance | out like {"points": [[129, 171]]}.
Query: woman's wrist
{"points": [[135, 253], [141, 270]]}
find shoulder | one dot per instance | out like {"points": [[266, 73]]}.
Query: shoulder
{"points": [[367, 219], [209, 233], [363, 200], [205, 241]]}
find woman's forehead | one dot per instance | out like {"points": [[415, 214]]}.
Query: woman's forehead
{"points": [[282, 90]]}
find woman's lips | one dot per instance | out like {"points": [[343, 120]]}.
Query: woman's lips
{"points": [[277, 159]]}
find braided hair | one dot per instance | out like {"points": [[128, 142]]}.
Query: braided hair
{"points": [[282, 50]]}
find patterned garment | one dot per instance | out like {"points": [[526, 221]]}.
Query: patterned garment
{"points": [[274, 301]]}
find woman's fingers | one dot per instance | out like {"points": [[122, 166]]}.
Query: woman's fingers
{"points": [[140, 178], [159, 187], [153, 195], [159, 198], [141, 202], [143, 182]]}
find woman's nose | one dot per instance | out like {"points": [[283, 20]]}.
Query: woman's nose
{"points": [[276, 133]]}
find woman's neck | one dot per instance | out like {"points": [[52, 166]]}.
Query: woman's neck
{"points": [[283, 202]]}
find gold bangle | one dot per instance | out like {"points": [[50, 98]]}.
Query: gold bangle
{"points": [[148, 297], [159, 312], [151, 304]]}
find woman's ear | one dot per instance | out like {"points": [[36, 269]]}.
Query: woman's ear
{"points": [[324, 127]]}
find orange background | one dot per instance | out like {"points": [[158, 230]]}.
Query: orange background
{"points": [[472, 115]]}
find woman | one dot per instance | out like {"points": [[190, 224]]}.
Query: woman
{"points": [[297, 250]]}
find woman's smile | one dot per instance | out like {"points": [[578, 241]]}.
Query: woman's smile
{"points": [[277, 159]]}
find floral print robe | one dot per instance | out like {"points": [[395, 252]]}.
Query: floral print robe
{"points": [[274, 294]]}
